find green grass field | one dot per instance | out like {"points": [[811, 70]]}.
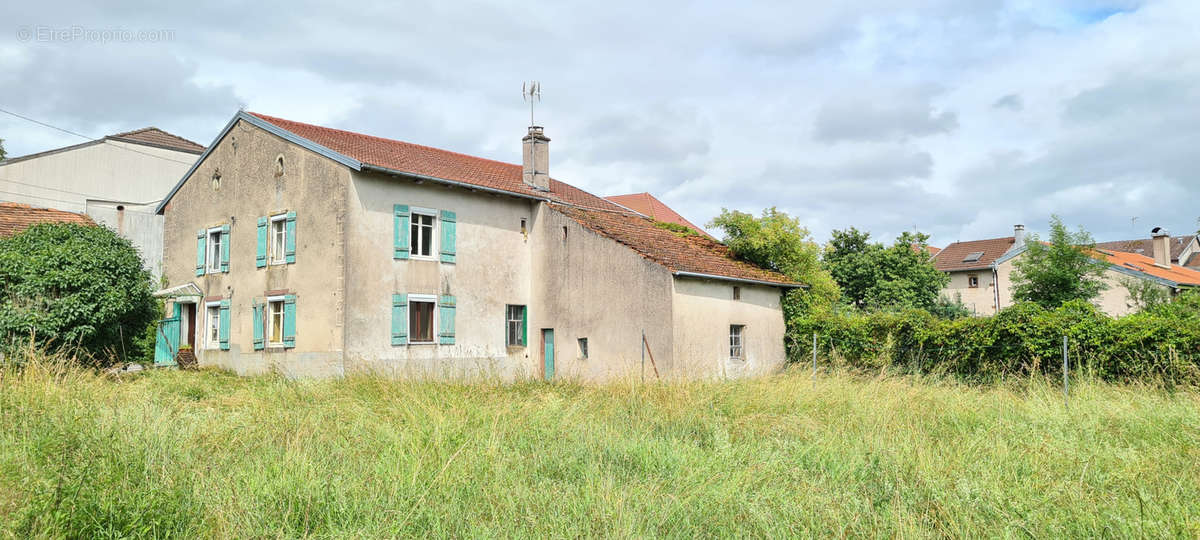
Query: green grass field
{"points": [[212, 455]]}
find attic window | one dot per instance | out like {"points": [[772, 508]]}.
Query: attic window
{"points": [[973, 257], [279, 165], [737, 292]]}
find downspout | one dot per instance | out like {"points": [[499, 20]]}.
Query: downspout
{"points": [[996, 288]]}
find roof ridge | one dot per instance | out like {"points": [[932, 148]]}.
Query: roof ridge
{"points": [[378, 138]]}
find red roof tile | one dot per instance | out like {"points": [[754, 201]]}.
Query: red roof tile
{"points": [[679, 253], [153, 136], [649, 205], [1145, 246], [16, 217], [427, 161], [954, 256], [1145, 265]]}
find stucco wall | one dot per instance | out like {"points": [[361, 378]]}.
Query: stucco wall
{"points": [[118, 172], [492, 270], [979, 300], [588, 286], [312, 186], [703, 312]]}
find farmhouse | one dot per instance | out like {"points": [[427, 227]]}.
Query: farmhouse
{"points": [[319, 252], [117, 181], [981, 272]]}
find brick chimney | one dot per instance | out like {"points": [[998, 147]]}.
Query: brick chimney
{"points": [[1161, 240], [1018, 236], [536, 159]]}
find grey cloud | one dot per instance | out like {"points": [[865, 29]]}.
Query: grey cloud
{"points": [[1011, 102], [883, 117]]}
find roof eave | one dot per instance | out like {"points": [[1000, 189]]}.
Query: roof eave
{"points": [[680, 273], [464, 185]]}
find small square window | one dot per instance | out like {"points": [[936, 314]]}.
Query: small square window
{"points": [[514, 326], [973, 281], [583, 348], [737, 292], [736, 341], [214, 250], [278, 238], [420, 320], [421, 240], [212, 329]]}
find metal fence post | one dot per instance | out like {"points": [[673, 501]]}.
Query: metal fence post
{"points": [[1066, 393], [814, 351]]}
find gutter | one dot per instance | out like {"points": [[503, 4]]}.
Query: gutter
{"points": [[739, 280]]}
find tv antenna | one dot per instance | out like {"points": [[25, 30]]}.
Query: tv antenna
{"points": [[531, 92]]}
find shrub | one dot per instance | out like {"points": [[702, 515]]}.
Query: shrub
{"points": [[1159, 344], [69, 286]]}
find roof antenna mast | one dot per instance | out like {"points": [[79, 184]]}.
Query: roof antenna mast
{"points": [[531, 92]]}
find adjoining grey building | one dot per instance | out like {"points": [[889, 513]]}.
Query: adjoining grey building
{"points": [[118, 181], [313, 251]]}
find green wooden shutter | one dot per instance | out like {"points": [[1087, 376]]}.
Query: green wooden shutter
{"points": [[225, 248], [525, 325], [289, 235], [400, 319], [260, 259], [289, 321], [446, 320], [200, 250], [259, 342], [449, 224], [401, 221], [223, 325]]}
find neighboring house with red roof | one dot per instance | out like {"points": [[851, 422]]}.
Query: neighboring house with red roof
{"points": [[16, 217], [117, 180], [649, 205], [981, 272], [1185, 250], [316, 251]]}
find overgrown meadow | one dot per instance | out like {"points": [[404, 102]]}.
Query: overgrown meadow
{"points": [[208, 454]]}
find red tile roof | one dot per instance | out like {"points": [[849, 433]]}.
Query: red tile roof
{"points": [[427, 161], [1145, 246], [649, 205], [153, 136], [679, 253], [1145, 265], [16, 217], [952, 257]]}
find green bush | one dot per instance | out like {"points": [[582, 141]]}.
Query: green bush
{"points": [[1161, 344], [78, 288]]}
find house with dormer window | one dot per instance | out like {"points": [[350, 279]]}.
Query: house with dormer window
{"points": [[313, 251]]}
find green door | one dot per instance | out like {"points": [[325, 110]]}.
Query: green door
{"points": [[166, 343], [548, 352]]}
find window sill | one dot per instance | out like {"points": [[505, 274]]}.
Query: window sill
{"points": [[516, 348], [422, 343], [412, 257]]}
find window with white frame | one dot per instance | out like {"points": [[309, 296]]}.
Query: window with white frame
{"points": [[737, 341], [212, 325], [515, 326], [277, 238], [420, 318], [275, 316], [214, 250], [422, 239]]}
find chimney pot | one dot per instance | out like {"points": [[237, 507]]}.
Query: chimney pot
{"points": [[1160, 241], [1018, 236], [535, 151]]}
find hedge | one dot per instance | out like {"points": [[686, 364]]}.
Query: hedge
{"points": [[1162, 344]]}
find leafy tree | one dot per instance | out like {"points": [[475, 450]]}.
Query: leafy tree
{"points": [[2, 153], [777, 241], [1053, 273], [871, 275], [76, 287], [1145, 294]]}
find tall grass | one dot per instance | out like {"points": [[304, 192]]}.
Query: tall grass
{"points": [[212, 455]]}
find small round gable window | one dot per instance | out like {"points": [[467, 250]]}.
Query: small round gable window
{"points": [[279, 165]]}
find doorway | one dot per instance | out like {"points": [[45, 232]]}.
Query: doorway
{"points": [[548, 354]]}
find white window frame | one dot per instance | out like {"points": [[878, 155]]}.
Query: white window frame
{"points": [[737, 342], [277, 254], [212, 263], [413, 240], [267, 326], [433, 318], [509, 321], [212, 325]]}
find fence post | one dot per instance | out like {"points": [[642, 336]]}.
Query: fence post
{"points": [[814, 351], [1066, 393], [642, 345]]}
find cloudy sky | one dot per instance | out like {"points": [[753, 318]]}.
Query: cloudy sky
{"points": [[956, 118]]}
